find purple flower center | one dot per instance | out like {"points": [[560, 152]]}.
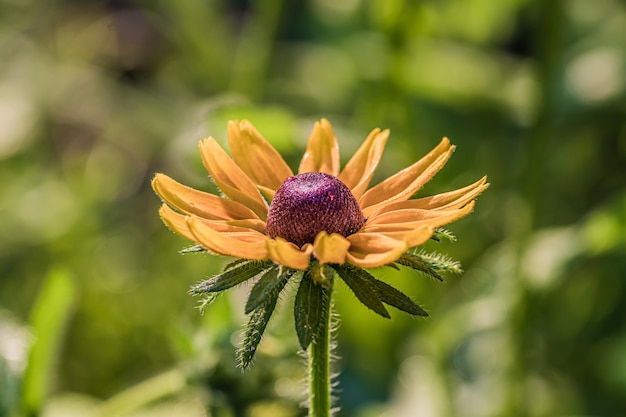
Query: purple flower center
{"points": [[309, 203]]}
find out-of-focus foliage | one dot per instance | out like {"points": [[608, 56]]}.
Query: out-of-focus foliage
{"points": [[97, 96]]}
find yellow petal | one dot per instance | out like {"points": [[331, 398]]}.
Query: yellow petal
{"points": [[202, 204], [230, 179], [369, 250], [236, 226], [249, 246], [255, 156], [359, 170], [413, 237], [405, 183], [445, 201], [287, 254], [176, 222], [402, 216], [322, 151], [268, 193], [405, 220], [330, 249]]}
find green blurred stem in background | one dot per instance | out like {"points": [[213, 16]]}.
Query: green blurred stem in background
{"points": [[50, 314]]}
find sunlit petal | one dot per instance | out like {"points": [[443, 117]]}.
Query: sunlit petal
{"points": [[253, 246], [369, 250], [415, 236], [359, 170], [330, 249], [288, 254], [405, 183], [255, 156], [176, 222], [433, 219], [445, 201], [188, 200], [268, 193], [322, 151], [230, 179]]}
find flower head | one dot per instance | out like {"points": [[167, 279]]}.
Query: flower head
{"points": [[323, 213], [320, 223]]}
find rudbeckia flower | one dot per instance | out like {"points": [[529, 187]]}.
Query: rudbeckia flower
{"points": [[317, 222]]}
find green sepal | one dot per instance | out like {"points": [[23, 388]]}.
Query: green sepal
{"points": [[270, 284], [308, 308], [392, 296], [193, 249], [357, 279], [239, 273], [207, 301], [443, 234], [321, 274], [255, 327], [431, 264]]}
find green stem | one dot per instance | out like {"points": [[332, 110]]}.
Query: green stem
{"points": [[319, 362]]}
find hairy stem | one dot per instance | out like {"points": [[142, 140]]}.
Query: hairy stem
{"points": [[319, 362]]}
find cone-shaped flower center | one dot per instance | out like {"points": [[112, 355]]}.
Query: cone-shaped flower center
{"points": [[309, 203]]}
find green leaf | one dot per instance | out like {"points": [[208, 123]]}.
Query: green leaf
{"points": [[255, 328], [308, 309], [239, 273], [356, 279], [392, 296], [271, 283]]}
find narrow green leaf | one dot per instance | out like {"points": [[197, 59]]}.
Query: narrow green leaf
{"points": [[234, 263], [255, 327], [308, 309], [392, 296], [362, 289], [271, 282], [236, 275]]}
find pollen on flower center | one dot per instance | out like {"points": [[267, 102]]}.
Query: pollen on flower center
{"points": [[309, 203]]}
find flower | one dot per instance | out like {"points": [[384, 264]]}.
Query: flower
{"points": [[318, 224], [322, 214]]}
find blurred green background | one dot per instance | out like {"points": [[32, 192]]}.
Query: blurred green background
{"points": [[95, 97]]}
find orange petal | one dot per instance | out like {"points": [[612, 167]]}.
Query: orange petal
{"points": [[405, 183], [268, 193], [287, 254], [255, 156], [253, 246], [405, 220], [176, 222], [413, 237], [230, 179], [402, 216], [202, 204], [445, 201], [359, 170], [330, 249], [322, 150], [369, 250]]}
